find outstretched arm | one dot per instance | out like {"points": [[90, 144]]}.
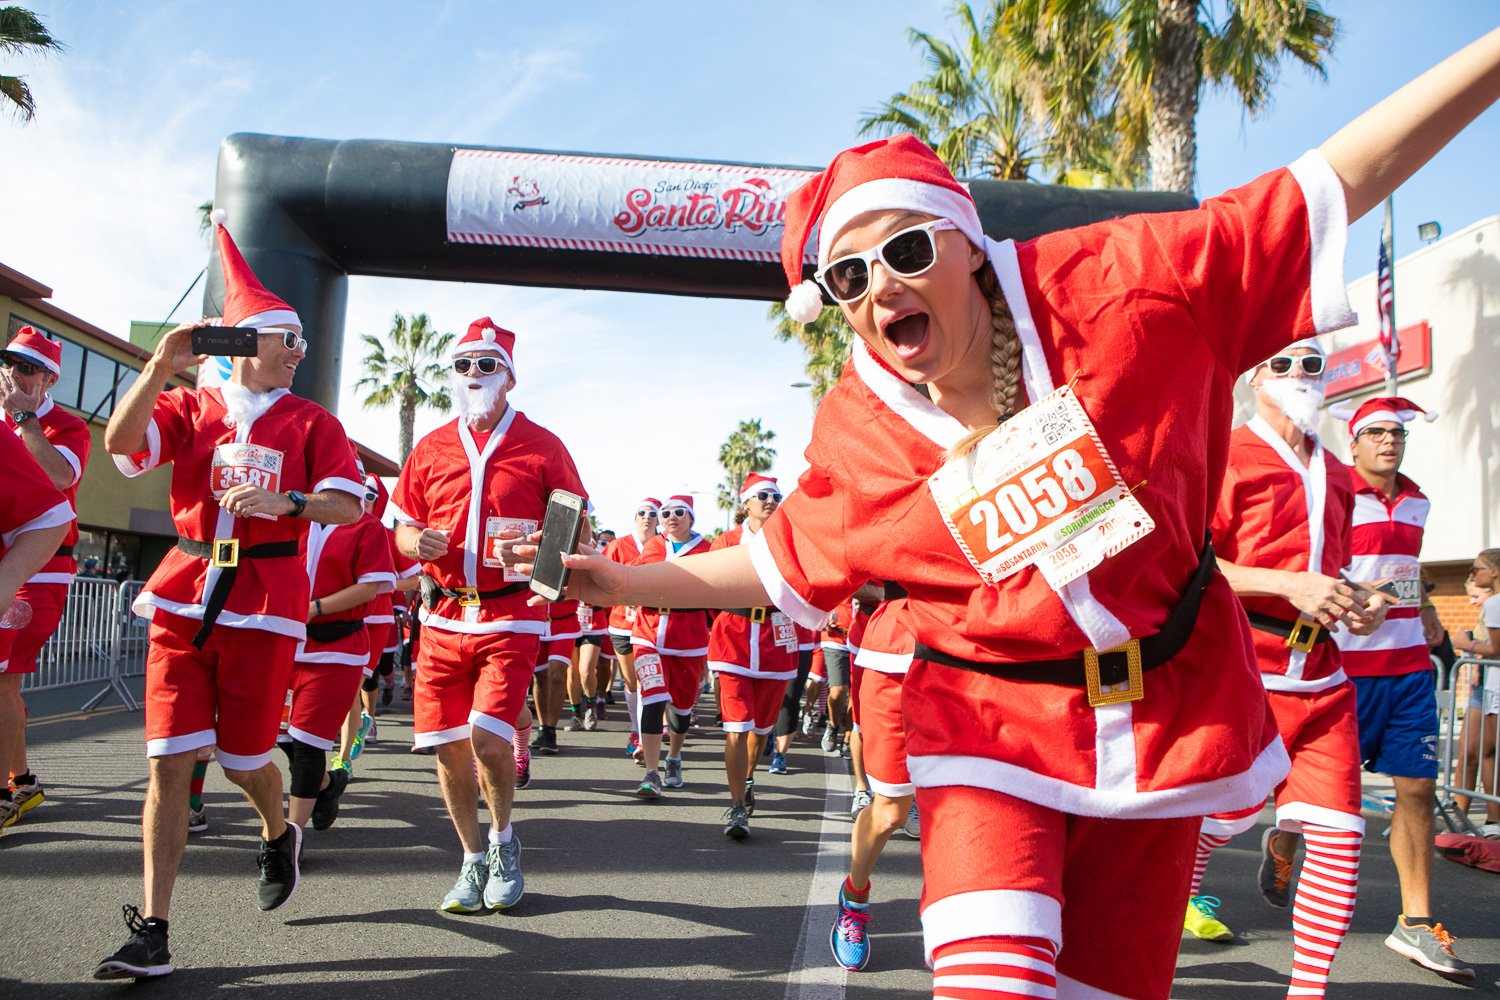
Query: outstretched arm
{"points": [[723, 578], [1381, 148]]}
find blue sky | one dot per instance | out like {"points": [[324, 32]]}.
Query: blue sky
{"points": [[98, 193]]}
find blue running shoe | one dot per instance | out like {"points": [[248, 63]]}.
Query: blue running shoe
{"points": [[365, 722], [847, 938], [778, 763]]}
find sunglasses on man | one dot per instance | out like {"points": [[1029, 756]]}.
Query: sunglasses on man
{"points": [[1282, 364], [907, 254], [6, 361], [290, 339], [485, 366]]}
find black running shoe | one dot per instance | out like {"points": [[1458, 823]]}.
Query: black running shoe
{"points": [[1275, 873], [750, 798], [144, 954], [387, 693], [326, 808], [279, 869], [548, 742]]}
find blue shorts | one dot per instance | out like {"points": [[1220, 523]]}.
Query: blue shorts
{"points": [[1398, 724]]}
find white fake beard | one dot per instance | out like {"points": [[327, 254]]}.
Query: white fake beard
{"points": [[244, 406], [474, 404], [1298, 400]]}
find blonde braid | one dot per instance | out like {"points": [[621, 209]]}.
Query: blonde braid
{"points": [[1006, 395]]}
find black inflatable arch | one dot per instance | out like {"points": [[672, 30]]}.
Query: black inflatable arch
{"points": [[306, 213]]}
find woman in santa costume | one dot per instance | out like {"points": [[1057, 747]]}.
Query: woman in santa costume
{"points": [[625, 550], [1083, 685]]}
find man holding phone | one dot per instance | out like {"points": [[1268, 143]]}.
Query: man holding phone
{"points": [[471, 488], [252, 465]]}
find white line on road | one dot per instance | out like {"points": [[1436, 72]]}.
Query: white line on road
{"points": [[814, 975]]}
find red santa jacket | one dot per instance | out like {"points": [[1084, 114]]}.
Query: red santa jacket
{"points": [[1275, 513], [737, 645], [474, 489], [684, 633], [625, 550], [340, 556], [30, 501], [888, 642], [70, 436], [382, 616], [293, 445], [1387, 542], [1155, 316]]}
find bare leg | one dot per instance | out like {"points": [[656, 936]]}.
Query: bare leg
{"points": [[163, 831], [675, 740], [872, 828], [455, 770], [1411, 843], [857, 758], [554, 679], [497, 775], [262, 787], [12, 726], [737, 764], [754, 748], [299, 810], [351, 730]]}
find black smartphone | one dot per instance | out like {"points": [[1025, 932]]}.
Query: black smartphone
{"points": [[560, 528], [226, 341]]}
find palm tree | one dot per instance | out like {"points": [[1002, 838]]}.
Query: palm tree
{"points": [[747, 450], [21, 31], [826, 340], [410, 375]]}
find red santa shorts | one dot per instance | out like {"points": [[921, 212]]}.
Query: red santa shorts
{"points": [[878, 701], [229, 693], [18, 647], [749, 704], [816, 671], [996, 865], [673, 679], [321, 695], [553, 651], [470, 680], [1321, 733], [368, 670]]}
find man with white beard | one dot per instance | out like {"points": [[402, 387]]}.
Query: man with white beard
{"points": [[470, 488], [1281, 533]]}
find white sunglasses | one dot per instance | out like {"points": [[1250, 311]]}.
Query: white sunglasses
{"points": [[907, 253]]}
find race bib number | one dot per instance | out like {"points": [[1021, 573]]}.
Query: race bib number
{"points": [[493, 526], [784, 631], [648, 671], [1406, 578], [630, 614], [1040, 491], [585, 617], [235, 463]]}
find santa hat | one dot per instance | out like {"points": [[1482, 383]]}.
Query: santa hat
{"points": [[682, 501], [374, 484], [29, 343], [1394, 409], [754, 483], [899, 173], [246, 301], [1311, 343], [651, 502], [484, 335]]}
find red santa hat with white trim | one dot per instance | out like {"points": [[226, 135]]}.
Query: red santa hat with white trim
{"points": [[682, 501], [246, 300], [899, 173], [29, 343], [754, 483], [484, 335], [1393, 409], [651, 502]]}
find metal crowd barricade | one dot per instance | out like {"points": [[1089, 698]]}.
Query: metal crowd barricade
{"points": [[85, 647], [1467, 746]]}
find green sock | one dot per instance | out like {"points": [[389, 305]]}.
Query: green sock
{"points": [[195, 786]]}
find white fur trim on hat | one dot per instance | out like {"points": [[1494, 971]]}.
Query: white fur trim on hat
{"points": [[280, 319], [896, 193], [805, 303], [36, 356]]}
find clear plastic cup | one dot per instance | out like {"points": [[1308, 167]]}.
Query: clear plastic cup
{"points": [[17, 616]]}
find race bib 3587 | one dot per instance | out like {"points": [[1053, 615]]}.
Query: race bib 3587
{"points": [[240, 462]]}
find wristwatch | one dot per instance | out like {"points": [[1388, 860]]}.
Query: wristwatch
{"points": [[299, 501], [21, 416]]}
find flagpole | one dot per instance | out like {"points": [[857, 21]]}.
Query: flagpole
{"points": [[1388, 238]]}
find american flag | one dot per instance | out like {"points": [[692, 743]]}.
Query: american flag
{"points": [[1386, 299]]}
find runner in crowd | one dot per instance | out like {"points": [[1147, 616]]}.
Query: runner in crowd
{"points": [[671, 647], [753, 651], [59, 441], [252, 467], [349, 566], [834, 643], [468, 487], [622, 619], [1008, 680], [1392, 671], [551, 673], [590, 672], [788, 723], [883, 659], [1281, 533]]}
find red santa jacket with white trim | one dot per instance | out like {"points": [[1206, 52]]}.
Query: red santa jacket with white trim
{"points": [[340, 556], [738, 645], [70, 436], [681, 633]]}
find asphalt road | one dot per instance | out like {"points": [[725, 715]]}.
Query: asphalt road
{"points": [[624, 898]]}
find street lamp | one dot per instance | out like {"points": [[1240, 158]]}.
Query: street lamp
{"points": [[801, 385]]}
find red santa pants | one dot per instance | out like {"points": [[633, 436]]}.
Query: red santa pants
{"points": [[999, 866], [673, 679], [229, 693], [552, 651], [321, 694], [1321, 733], [18, 647], [878, 697], [468, 680], [749, 704]]}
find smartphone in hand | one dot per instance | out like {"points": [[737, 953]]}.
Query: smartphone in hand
{"points": [[226, 341], [560, 529]]}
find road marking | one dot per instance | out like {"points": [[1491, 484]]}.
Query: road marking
{"points": [[74, 716], [814, 974]]}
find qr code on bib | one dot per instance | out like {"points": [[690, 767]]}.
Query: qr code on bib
{"points": [[1057, 424]]}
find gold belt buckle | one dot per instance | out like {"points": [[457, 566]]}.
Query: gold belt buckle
{"points": [[1294, 638], [664, 611], [1129, 690], [468, 597], [226, 553], [758, 615]]}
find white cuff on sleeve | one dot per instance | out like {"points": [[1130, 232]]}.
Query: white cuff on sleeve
{"points": [[1328, 222], [781, 593], [61, 514], [127, 464]]}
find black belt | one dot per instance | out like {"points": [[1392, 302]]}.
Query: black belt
{"points": [[1108, 669], [62, 550], [757, 615], [467, 597], [334, 631], [1301, 634], [226, 554]]}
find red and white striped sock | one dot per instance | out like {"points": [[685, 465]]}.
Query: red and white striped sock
{"points": [[995, 968], [520, 747], [1323, 906], [1207, 844]]}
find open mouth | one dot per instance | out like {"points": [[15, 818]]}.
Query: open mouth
{"points": [[907, 334]]}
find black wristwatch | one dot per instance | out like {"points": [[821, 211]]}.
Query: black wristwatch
{"points": [[299, 501], [21, 416]]}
